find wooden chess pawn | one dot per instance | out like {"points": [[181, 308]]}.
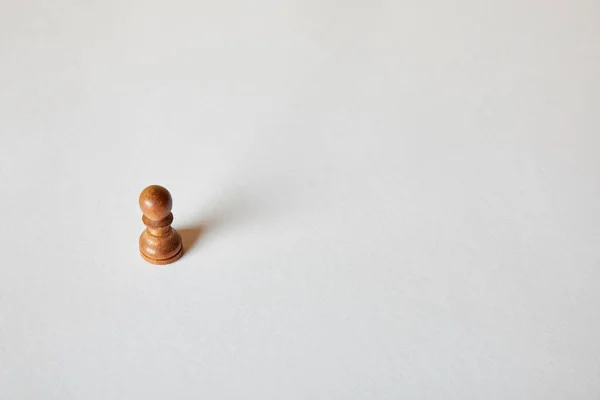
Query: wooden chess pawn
{"points": [[159, 243]]}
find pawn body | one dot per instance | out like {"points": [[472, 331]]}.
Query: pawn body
{"points": [[159, 243]]}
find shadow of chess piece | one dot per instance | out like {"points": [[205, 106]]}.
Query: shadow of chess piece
{"points": [[159, 243]]}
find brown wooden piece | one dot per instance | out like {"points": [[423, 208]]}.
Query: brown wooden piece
{"points": [[159, 243]]}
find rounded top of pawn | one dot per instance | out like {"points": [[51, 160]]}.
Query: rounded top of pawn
{"points": [[156, 202]]}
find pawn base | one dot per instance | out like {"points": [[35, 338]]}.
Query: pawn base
{"points": [[163, 261]]}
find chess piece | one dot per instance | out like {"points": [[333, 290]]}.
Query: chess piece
{"points": [[159, 243]]}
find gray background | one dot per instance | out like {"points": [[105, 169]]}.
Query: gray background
{"points": [[393, 199]]}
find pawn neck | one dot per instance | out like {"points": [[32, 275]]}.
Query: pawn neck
{"points": [[158, 228]]}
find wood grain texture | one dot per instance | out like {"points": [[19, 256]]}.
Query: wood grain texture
{"points": [[160, 244]]}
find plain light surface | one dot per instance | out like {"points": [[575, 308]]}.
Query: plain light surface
{"points": [[397, 199]]}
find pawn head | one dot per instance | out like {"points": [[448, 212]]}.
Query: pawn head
{"points": [[156, 202]]}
